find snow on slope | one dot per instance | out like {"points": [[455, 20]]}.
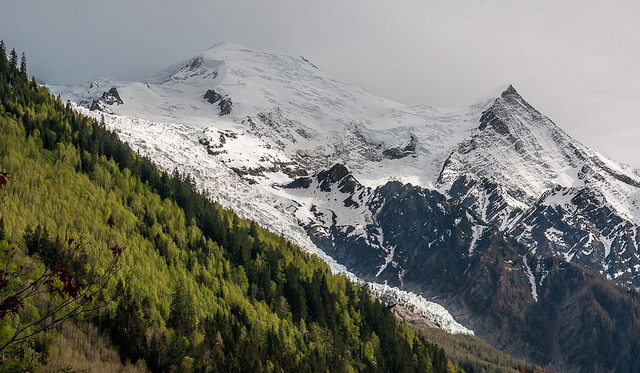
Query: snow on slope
{"points": [[527, 154], [174, 146], [286, 113], [293, 106]]}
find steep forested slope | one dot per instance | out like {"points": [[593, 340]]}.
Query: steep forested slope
{"points": [[198, 288]]}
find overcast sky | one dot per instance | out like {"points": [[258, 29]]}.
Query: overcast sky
{"points": [[576, 61]]}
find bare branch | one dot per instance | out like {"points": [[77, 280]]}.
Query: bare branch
{"points": [[58, 283]]}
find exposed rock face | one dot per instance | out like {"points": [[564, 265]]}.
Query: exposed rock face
{"points": [[225, 106], [575, 224], [212, 96], [536, 307], [112, 97], [224, 103], [398, 153]]}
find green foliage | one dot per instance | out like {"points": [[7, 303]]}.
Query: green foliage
{"points": [[23, 64], [205, 290], [473, 354], [183, 317], [13, 57], [82, 348]]}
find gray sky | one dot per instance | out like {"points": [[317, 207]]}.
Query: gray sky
{"points": [[575, 61]]}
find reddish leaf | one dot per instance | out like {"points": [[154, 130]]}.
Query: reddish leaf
{"points": [[70, 287], [3, 179], [73, 289], [116, 250], [62, 273], [10, 305]]}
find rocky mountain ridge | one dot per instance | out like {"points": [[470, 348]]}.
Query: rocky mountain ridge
{"points": [[524, 174], [535, 306]]}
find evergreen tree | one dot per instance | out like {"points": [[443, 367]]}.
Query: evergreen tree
{"points": [[182, 316], [13, 58], [23, 64], [4, 63]]}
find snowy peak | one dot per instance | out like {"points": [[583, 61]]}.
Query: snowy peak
{"points": [[514, 146], [490, 118], [510, 91], [520, 171], [512, 97], [199, 68], [510, 94], [510, 112]]}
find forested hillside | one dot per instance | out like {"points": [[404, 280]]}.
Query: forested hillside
{"points": [[186, 285]]}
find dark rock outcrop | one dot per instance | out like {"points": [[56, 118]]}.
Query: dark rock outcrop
{"points": [[401, 152], [111, 97], [224, 102]]}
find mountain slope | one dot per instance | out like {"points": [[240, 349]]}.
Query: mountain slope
{"points": [[260, 132], [284, 102], [536, 307], [238, 157], [521, 172]]}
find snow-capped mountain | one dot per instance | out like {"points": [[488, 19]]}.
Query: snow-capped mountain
{"points": [[518, 170], [385, 190], [239, 145], [285, 103]]}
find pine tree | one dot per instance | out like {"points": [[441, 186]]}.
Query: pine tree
{"points": [[23, 64], [4, 63], [13, 58], [183, 316]]}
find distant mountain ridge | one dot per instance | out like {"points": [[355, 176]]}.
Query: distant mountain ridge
{"points": [[378, 185]]}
